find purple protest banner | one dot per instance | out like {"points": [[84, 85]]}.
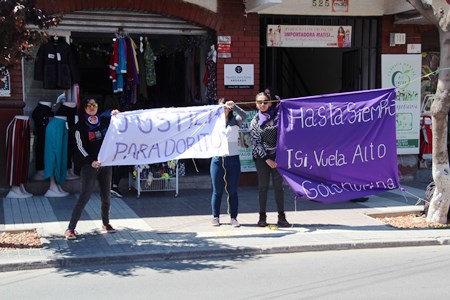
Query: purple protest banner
{"points": [[337, 147]]}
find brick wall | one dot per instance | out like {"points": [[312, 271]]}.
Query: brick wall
{"points": [[427, 35]]}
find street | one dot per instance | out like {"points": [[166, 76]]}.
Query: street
{"points": [[388, 273]]}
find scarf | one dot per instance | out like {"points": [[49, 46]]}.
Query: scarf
{"points": [[265, 117], [92, 122]]}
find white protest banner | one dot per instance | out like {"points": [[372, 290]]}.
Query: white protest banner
{"points": [[162, 134]]}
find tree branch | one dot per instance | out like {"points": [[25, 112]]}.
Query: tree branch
{"points": [[426, 11]]}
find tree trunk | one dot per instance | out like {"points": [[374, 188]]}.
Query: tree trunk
{"points": [[440, 202]]}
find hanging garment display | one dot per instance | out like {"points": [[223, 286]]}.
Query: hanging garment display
{"points": [[17, 151], [211, 68], [149, 58], [69, 110], [41, 116], [55, 65], [124, 69], [56, 139]]}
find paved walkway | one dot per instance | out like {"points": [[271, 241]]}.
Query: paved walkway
{"points": [[159, 226]]}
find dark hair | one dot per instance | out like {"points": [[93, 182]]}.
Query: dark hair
{"points": [[272, 93], [222, 101], [264, 94], [84, 101]]}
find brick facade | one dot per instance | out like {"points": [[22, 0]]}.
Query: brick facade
{"points": [[230, 19]]}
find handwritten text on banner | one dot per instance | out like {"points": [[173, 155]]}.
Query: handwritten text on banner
{"points": [[338, 147], [158, 135]]}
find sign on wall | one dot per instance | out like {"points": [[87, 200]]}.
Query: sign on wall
{"points": [[309, 36], [239, 76], [224, 46], [5, 82], [403, 71]]}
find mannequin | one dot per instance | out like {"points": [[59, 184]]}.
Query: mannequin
{"points": [[68, 109], [41, 116], [213, 53], [18, 156], [58, 124]]}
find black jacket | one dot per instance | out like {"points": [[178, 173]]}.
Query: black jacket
{"points": [[55, 65], [88, 143]]}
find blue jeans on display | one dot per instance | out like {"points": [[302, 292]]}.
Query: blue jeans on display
{"points": [[225, 174], [87, 178], [264, 172]]}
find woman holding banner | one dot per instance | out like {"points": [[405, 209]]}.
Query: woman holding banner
{"points": [[89, 135], [226, 170], [264, 131]]}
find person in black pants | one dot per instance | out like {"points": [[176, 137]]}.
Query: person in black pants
{"points": [[89, 134], [264, 131]]}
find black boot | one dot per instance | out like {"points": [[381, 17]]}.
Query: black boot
{"points": [[262, 220], [282, 222]]}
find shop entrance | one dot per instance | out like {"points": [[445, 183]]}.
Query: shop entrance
{"points": [[301, 72], [178, 61]]}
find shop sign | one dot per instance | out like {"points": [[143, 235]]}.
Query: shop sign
{"points": [[5, 82], [239, 76], [403, 72], [309, 36], [224, 46], [339, 5], [320, 3]]}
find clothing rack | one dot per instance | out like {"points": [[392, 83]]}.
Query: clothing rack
{"points": [[121, 32]]}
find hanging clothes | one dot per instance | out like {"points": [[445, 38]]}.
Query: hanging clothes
{"points": [[55, 156], [41, 117], [17, 151], [211, 86], [149, 57], [55, 65], [69, 111], [124, 69]]}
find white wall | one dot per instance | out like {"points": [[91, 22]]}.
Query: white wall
{"points": [[356, 7], [208, 4]]}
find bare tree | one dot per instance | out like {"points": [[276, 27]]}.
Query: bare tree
{"points": [[438, 14], [16, 37]]}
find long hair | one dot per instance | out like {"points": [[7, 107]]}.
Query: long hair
{"points": [[222, 101]]}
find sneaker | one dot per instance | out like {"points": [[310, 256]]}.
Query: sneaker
{"points": [[235, 223], [116, 193], [108, 228], [215, 221], [70, 234]]}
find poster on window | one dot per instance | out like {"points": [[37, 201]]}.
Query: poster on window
{"points": [[245, 143], [5, 85], [309, 36], [403, 71]]}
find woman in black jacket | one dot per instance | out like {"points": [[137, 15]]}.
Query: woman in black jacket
{"points": [[89, 135]]}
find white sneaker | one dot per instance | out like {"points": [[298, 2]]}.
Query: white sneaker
{"points": [[52, 193], [235, 223], [215, 221]]}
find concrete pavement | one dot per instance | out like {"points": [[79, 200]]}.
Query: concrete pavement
{"points": [[159, 226]]}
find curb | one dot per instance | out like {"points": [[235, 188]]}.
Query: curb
{"points": [[66, 262]]}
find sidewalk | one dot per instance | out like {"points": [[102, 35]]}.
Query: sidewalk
{"points": [[159, 226]]}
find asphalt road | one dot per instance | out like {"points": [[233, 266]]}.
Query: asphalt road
{"points": [[389, 273]]}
